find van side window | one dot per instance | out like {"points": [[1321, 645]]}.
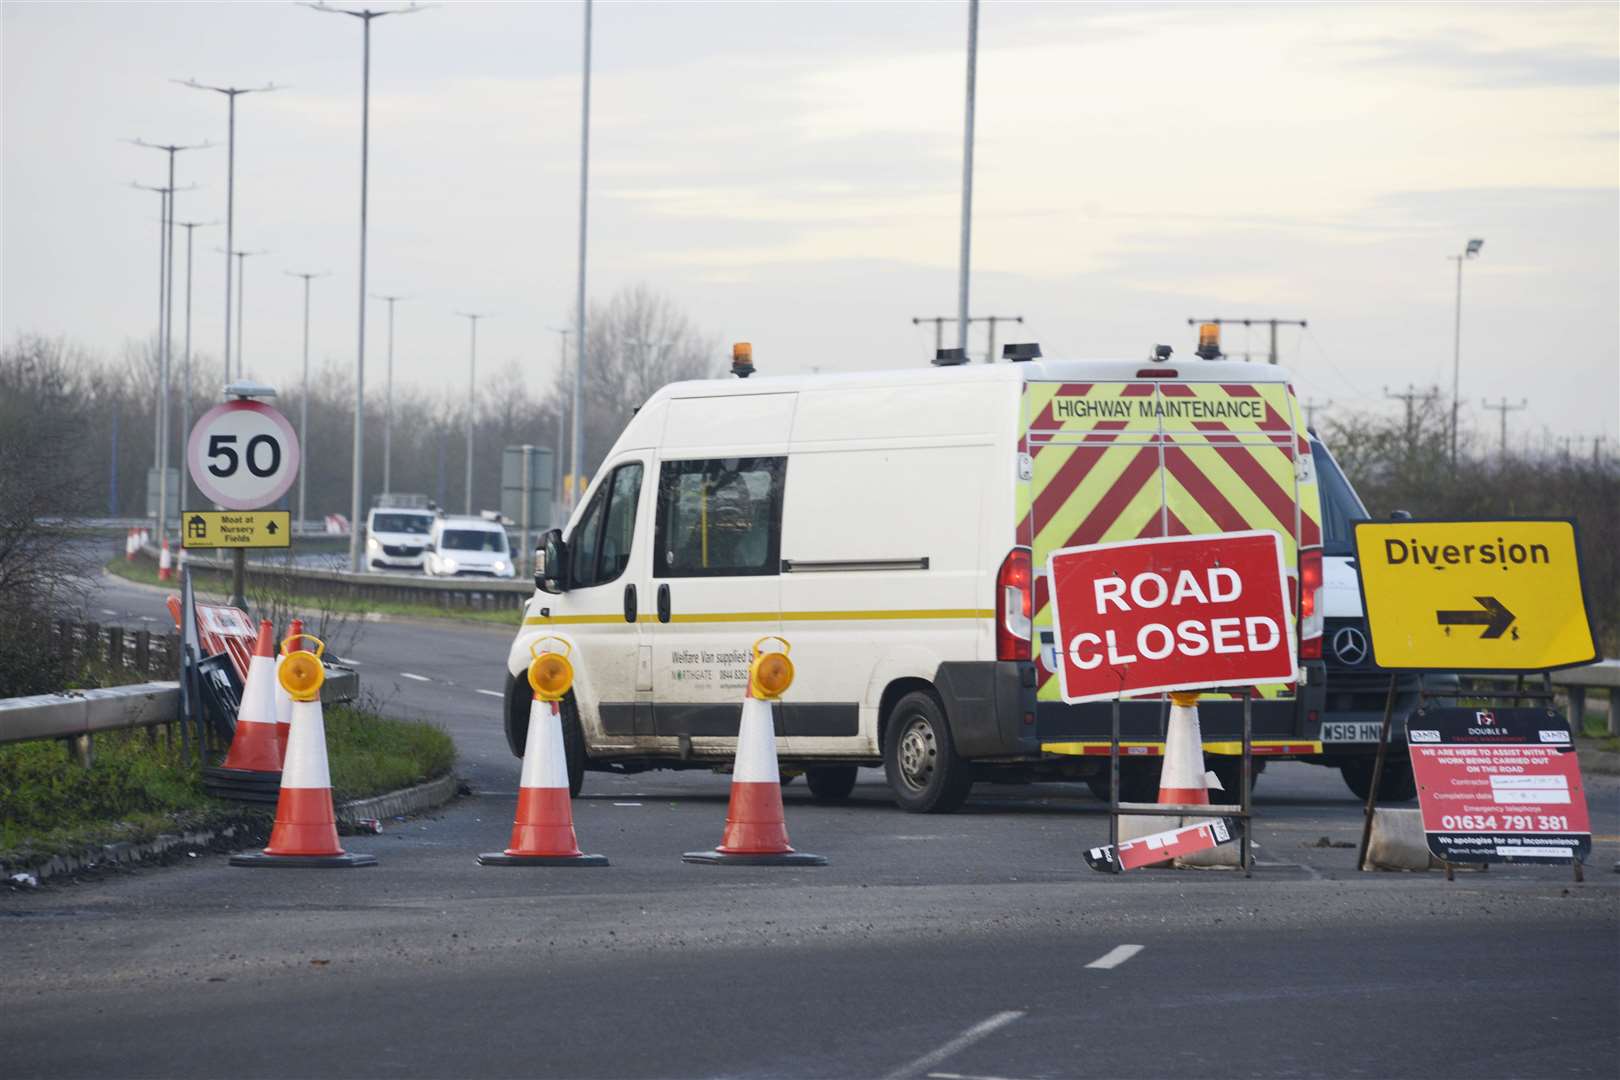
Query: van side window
{"points": [[719, 517], [601, 544]]}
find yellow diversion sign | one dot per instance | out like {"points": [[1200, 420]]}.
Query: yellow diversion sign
{"points": [[236, 528], [1473, 595]]}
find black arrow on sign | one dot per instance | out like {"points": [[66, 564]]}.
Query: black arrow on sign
{"points": [[1492, 616], [270, 528]]}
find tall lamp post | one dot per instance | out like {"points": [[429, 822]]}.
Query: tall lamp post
{"points": [[560, 499], [185, 382], [231, 94], [160, 421], [388, 399], [303, 396], [967, 179], [241, 276], [576, 452], [1471, 251], [472, 396], [366, 16]]}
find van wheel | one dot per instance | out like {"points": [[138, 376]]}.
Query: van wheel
{"points": [[924, 771], [519, 699], [832, 783], [1396, 784]]}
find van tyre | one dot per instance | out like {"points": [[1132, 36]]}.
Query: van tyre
{"points": [[1395, 785], [920, 760], [831, 783], [519, 699]]}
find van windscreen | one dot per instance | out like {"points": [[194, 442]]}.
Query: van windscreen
{"points": [[473, 540]]}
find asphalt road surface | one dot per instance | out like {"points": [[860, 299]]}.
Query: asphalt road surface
{"points": [[972, 945]]}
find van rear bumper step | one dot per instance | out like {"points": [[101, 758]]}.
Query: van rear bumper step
{"points": [[1257, 747]]}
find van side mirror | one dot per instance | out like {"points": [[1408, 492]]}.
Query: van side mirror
{"points": [[551, 562], [1400, 515]]}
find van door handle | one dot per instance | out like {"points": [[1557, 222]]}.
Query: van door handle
{"points": [[629, 603], [663, 603]]}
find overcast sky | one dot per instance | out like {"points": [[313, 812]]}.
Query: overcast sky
{"points": [[791, 175]]}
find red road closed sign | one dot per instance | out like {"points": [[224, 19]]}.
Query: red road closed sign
{"points": [[1178, 613]]}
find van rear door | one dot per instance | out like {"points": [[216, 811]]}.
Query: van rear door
{"points": [[1136, 459]]}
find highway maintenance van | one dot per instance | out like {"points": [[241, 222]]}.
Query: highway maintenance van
{"points": [[893, 527]]}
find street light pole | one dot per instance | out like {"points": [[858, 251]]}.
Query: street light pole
{"points": [[472, 387], [185, 391], [231, 94], [557, 495], [241, 277], [1469, 251], [365, 15], [388, 400], [577, 449], [303, 399], [967, 178]]}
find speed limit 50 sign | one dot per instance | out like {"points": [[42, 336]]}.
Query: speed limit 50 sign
{"points": [[243, 455]]}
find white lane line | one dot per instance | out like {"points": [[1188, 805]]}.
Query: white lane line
{"points": [[964, 1076], [626, 804], [492, 693], [956, 1045], [108, 611], [1115, 957], [418, 678]]}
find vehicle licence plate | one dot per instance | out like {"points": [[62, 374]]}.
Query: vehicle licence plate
{"points": [[1348, 731]]}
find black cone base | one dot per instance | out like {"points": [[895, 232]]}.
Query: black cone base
{"points": [[501, 858], [717, 857], [259, 858]]}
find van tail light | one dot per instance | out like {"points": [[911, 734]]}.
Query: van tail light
{"points": [[1310, 604], [1015, 596]]}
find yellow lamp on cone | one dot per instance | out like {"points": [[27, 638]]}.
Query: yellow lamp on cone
{"points": [[301, 673], [551, 675], [771, 673]]}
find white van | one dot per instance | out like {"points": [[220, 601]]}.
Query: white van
{"points": [[396, 536], [468, 547], [893, 527]]}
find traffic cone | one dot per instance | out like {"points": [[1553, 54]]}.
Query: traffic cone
{"points": [[1183, 781], [130, 546], [756, 827], [165, 571], [543, 830], [305, 832], [295, 632], [255, 747]]}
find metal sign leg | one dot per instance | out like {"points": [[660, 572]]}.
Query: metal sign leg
{"points": [[1377, 776], [1245, 784]]}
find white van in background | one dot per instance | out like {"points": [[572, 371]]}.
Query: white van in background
{"points": [[397, 530], [468, 547], [893, 527]]}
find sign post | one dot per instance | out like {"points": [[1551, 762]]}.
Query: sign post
{"points": [[243, 455], [1479, 596], [1172, 614]]}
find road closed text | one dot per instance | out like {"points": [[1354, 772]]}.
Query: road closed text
{"points": [[1178, 613], [1186, 592]]}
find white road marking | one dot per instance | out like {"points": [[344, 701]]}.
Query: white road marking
{"points": [[108, 611], [492, 693], [956, 1045], [963, 1076], [626, 804], [418, 678], [1115, 957]]}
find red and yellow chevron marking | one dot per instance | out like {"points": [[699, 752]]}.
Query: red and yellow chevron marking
{"points": [[1129, 460]]}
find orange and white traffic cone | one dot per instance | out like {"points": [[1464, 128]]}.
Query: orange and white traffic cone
{"points": [[255, 747], [305, 832], [756, 827], [130, 546], [165, 568], [543, 829], [295, 632], [1183, 781]]}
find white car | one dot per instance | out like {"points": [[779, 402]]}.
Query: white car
{"points": [[396, 538], [468, 547]]}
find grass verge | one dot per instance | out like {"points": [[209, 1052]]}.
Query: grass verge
{"points": [[207, 589], [138, 787]]}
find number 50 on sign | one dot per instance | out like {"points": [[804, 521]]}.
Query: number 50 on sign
{"points": [[243, 455]]}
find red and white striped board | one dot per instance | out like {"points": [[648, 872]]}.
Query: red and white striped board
{"points": [[1161, 847]]}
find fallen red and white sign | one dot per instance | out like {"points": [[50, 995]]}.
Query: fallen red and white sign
{"points": [[1177, 613], [1160, 847], [1498, 785]]}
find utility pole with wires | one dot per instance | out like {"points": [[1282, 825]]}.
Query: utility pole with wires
{"points": [[1271, 355], [388, 397], [303, 397], [1311, 405], [1503, 408], [357, 480], [231, 94], [1411, 398]]}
